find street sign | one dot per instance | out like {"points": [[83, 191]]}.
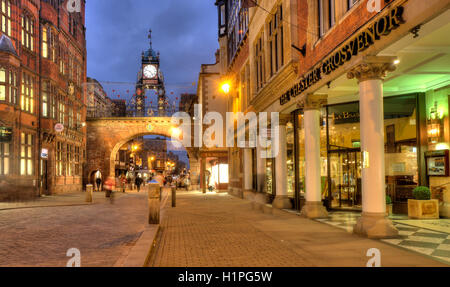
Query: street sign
{"points": [[59, 128], [44, 153]]}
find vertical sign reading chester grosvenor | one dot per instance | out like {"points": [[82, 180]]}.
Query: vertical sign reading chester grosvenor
{"points": [[359, 43]]}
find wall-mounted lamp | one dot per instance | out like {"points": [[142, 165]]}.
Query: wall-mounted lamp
{"points": [[435, 125]]}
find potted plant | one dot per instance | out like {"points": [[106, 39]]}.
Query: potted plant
{"points": [[422, 206], [388, 205]]}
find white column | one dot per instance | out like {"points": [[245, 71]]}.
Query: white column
{"points": [[281, 200], [312, 156], [248, 172], [314, 207], [372, 146], [369, 73], [280, 163]]}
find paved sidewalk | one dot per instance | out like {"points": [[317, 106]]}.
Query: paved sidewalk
{"points": [[104, 232], [221, 230], [69, 199]]}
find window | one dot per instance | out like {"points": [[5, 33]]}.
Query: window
{"points": [[59, 159], [61, 116], [69, 161], [26, 154], [77, 161], [54, 104], [8, 82], [78, 120], [13, 87], [6, 17], [45, 41], [276, 41], [259, 62], [62, 59], [3, 80], [45, 98], [28, 32], [326, 16], [5, 154], [27, 95], [49, 44]]}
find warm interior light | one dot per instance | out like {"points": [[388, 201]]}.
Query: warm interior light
{"points": [[226, 87], [176, 132], [396, 62]]}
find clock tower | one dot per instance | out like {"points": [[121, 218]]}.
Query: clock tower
{"points": [[150, 77]]}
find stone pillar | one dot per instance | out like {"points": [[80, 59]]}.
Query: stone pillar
{"points": [[369, 72], [154, 198], [313, 207], [89, 192], [444, 208], [248, 173], [194, 167], [281, 201]]}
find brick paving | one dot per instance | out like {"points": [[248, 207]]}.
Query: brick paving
{"points": [[218, 230], [103, 232]]}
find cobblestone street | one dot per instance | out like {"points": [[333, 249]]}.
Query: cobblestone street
{"points": [[41, 236], [220, 230]]}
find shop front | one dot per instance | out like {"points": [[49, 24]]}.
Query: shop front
{"points": [[341, 157], [413, 109]]}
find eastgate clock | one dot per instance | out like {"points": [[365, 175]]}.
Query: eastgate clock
{"points": [[150, 71]]}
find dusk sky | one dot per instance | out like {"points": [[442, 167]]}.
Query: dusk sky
{"points": [[185, 33]]}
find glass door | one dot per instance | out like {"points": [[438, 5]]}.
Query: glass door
{"points": [[345, 172]]}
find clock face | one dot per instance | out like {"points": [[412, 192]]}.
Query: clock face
{"points": [[150, 71]]}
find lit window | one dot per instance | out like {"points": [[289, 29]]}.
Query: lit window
{"points": [[6, 17], [27, 94], [28, 32], [26, 154], [5, 155]]}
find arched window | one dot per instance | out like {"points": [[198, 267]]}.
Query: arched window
{"points": [[28, 32]]}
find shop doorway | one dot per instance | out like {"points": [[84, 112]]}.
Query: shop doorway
{"points": [[345, 179], [44, 177]]}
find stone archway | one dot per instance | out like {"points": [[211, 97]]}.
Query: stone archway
{"points": [[105, 136]]}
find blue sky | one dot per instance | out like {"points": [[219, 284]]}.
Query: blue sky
{"points": [[184, 31]]}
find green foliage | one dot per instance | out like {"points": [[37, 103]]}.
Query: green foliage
{"points": [[422, 193], [388, 199]]}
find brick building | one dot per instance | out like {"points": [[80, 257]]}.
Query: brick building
{"points": [[42, 69], [362, 97]]}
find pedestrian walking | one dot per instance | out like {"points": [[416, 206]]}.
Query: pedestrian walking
{"points": [[138, 181], [123, 182], [109, 187]]}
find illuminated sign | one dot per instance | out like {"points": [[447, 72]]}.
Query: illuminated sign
{"points": [[5, 134], [362, 41]]}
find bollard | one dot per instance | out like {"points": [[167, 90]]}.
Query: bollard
{"points": [[89, 191], [154, 197], [174, 196]]}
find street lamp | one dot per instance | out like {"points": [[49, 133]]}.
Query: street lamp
{"points": [[226, 86]]}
